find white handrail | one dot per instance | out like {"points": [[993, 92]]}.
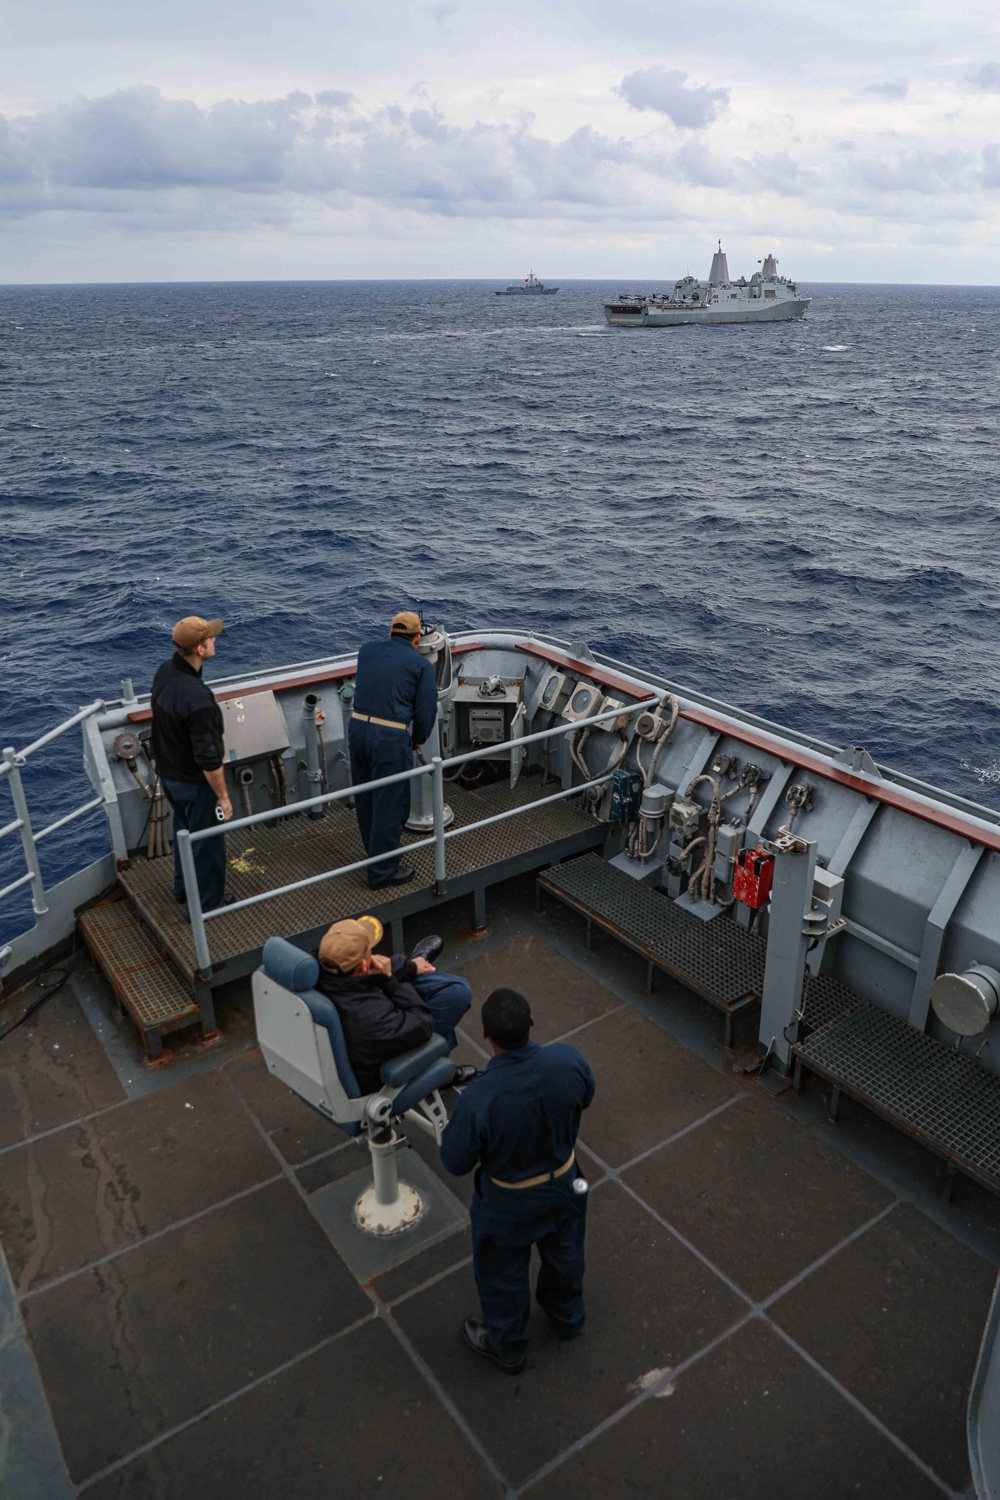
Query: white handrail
{"points": [[10, 766], [53, 734], [436, 769]]}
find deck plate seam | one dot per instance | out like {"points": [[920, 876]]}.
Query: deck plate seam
{"points": [[154, 1234], [226, 1400], [379, 1307]]}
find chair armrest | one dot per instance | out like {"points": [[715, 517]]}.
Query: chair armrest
{"points": [[437, 1076], [399, 1070]]}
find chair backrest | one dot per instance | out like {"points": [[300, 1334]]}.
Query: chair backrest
{"points": [[301, 1036]]}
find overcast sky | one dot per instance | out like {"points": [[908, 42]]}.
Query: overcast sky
{"points": [[208, 139]]}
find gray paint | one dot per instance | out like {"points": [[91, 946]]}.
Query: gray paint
{"points": [[984, 1410], [896, 866], [794, 866]]}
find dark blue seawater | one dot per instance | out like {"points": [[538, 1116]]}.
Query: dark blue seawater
{"points": [[803, 518]]}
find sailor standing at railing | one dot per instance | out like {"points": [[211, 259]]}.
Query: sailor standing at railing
{"points": [[395, 706], [188, 747]]}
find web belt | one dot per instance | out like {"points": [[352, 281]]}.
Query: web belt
{"points": [[386, 723], [542, 1176]]}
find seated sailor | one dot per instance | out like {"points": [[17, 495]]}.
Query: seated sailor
{"points": [[388, 1005]]}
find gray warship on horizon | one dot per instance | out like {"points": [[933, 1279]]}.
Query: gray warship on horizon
{"points": [[785, 1270], [529, 287], [765, 298]]}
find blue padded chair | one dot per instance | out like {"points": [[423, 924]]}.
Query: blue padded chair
{"points": [[302, 1040]]}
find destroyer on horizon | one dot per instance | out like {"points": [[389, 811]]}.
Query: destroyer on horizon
{"points": [[765, 298], [529, 287]]}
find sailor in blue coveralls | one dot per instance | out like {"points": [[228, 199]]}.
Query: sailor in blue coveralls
{"points": [[395, 706], [517, 1126]]}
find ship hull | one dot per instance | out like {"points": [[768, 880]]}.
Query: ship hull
{"points": [[548, 291], [681, 317]]}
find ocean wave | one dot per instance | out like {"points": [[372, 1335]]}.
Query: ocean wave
{"points": [[803, 537]]}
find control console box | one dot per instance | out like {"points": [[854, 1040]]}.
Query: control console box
{"points": [[482, 720]]}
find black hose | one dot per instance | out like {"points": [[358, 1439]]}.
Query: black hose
{"points": [[48, 991]]}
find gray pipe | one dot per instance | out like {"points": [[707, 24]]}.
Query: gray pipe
{"points": [[313, 753]]}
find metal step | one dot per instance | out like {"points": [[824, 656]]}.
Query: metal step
{"points": [[718, 960], [146, 983], [943, 1098]]}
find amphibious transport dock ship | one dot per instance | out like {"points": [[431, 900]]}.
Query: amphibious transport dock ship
{"points": [[765, 298], [782, 961]]}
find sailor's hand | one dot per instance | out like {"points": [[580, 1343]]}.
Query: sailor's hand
{"points": [[227, 808], [381, 964], [422, 966]]}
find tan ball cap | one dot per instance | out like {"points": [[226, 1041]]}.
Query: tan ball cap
{"points": [[346, 943], [407, 622], [192, 630]]}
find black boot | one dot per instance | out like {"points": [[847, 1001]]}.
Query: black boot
{"points": [[474, 1333], [463, 1075]]}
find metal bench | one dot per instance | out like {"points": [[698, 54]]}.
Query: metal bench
{"points": [[719, 961], [942, 1098]]}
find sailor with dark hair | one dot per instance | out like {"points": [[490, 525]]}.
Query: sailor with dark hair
{"points": [[395, 706], [517, 1126]]}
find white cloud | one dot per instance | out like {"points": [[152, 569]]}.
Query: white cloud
{"points": [[986, 80], [692, 106], [889, 88], [461, 164]]}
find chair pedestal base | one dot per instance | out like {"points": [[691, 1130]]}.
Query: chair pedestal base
{"points": [[388, 1206], [368, 1254], [389, 1218]]}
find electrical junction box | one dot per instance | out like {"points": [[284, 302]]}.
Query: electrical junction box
{"points": [[584, 701], [753, 877], [684, 817], [481, 721], [728, 843], [254, 727], [626, 790]]}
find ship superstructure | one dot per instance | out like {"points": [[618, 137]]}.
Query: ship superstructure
{"points": [[765, 298]]}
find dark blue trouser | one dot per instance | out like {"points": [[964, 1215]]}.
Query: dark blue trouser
{"points": [[193, 805], [379, 752], [550, 1216], [447, 998]]}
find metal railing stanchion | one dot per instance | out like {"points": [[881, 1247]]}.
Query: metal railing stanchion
{"points": [[13, 769], [195, 913], [437, 789]]}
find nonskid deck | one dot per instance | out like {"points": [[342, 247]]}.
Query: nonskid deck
{"points": [[766, 1317]]}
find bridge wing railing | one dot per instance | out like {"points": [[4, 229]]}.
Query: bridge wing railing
{"points": [[10, 767], [436, 769]]}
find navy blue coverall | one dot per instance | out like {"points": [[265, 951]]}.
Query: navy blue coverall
{"points": [[518, 1120], [394, 682]]}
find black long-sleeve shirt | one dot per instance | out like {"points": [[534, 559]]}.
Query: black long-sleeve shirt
{"points": [[382, 1016], [187, 723]]}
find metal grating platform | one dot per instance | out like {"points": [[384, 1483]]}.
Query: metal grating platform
{"points": [[143, 978], [720, 961], [943, 1098], [826, 1000], [276, 854]]}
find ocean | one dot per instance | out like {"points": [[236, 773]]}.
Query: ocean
{"points": [[802, 519]]}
